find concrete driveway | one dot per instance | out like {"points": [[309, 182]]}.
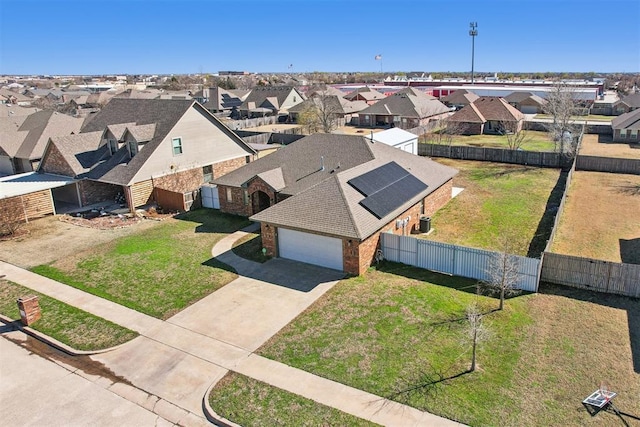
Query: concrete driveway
{"points": [[251, 309]]}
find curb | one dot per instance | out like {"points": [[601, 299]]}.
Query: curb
{"points": [[211, 415], [52, 341]]}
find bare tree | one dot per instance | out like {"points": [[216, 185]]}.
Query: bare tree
{"points": [[562, 106], [476, 331], [308, 118], [516, 136], [502, 275], [444, 132], [322, 112]]}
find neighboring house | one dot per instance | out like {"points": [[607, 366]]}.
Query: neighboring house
{"points": [[603, 105], [145, 150], [14, 98], [366, 94], [406, 109], [459, 99], [23, 138], [326, 198], [218, 100], [398, 138], [526, 102], [270, 101], [627, 104], [626, 127], [487, 115], [328, 108]]}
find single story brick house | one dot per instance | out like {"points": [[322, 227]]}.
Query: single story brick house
{"points": [[326, 198], [488, 115], [627, 127]]}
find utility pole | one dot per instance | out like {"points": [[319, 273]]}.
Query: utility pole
{"points": [[473, 32]]}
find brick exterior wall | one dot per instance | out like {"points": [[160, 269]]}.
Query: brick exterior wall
{"points": [[358, 256], [236, 206], [95, 192], [55, 163], [180, 182], [223, 168]]}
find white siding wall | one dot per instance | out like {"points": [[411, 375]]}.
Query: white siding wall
{"points": [[203, 143]]}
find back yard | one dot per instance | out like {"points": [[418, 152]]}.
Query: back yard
{"points": [[535, 141], [603, 146], [400, 332], [157, 271], [499, 201], [600, 218]]}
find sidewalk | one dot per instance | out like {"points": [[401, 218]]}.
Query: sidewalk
{"points": [[178, 363]]}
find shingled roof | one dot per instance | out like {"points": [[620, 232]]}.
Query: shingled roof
{"points": [[485, 109], [316, 171], [407, 103], [366, 93], [268, 97], [630, 120], [460, 97], [632, 100]]}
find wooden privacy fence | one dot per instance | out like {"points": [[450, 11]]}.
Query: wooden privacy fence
{"points": [[608, 164], [453, 259], [500, 155], [591, 274]]}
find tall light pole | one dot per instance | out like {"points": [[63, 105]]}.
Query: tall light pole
{"points": [[473, 32]]}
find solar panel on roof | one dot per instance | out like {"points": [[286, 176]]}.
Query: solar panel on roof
{"points": [[387, 199], [379, 178]]}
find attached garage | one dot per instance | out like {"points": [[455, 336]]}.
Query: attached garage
{"points": [[310, 248]]}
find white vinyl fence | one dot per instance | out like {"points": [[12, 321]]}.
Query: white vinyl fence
{"points": [[453, 259]]}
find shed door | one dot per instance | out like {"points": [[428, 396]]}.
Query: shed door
{"points": [[310, 248]]}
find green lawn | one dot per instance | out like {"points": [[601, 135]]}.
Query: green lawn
{"points": [[389, 332], [535, 141], [69, 325], [159, 271], [498, 201], [249, 402], [399, 332], [250, 247], [592, 117]]}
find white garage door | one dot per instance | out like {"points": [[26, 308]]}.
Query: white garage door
{"points": [[310, 248]]}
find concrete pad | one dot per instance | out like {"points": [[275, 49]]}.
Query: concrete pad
{"points": [[170, 412], [164, 371], [37, 392], [250, 310]]}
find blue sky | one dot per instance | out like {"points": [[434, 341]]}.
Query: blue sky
{"points": [[192, 36]]}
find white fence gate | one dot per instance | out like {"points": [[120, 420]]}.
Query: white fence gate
{"points": [[209, 194], [453, 259]]}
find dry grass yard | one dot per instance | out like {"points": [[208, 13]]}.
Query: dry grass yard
{"points": [[602, 146], [600, 219], [357, 130]]}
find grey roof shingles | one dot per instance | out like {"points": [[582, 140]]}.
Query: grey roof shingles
{"points": [[322, 200], [407, 104], [630, 120]]}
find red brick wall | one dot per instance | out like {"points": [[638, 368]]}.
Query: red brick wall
{"points": [[268, 234], [258, 184], [237, 205], [55, 163], [438, 198], [223, 168], [180, 182], [95, 192]]}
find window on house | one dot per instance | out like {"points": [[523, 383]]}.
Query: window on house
{"points": [[113, 146], [623, 133], [245, 197], [634, 134], [133, 148], [229, 195], [176, 143], [295, 99], [207, 173]]}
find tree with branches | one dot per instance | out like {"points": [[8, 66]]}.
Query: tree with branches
{"points": [[444, 132], [516, 136], [503, 275], [562, 106], [476, 332]]}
